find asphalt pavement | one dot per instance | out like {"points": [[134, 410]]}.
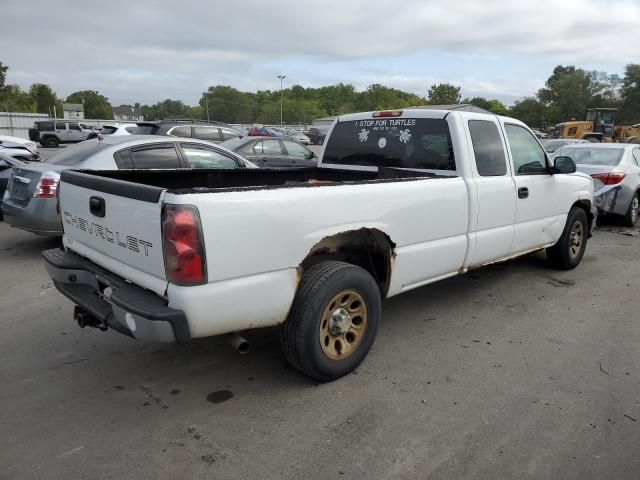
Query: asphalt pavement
{"points": [[512, 371]]}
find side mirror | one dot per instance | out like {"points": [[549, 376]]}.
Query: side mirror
{"points": [[563, 165], [4, 165]]}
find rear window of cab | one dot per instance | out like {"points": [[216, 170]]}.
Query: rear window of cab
{"points": [[416, 143]]}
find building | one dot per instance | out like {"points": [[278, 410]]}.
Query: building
{"points": [[127, 113], [73, 111]]}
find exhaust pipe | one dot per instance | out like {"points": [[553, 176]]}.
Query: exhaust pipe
{"points": [[241, 344]]}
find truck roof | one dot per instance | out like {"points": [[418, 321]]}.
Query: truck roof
{"points": [[424, 111]]}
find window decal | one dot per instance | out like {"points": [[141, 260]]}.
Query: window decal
{"points": [[363, 136], [405, 135]]}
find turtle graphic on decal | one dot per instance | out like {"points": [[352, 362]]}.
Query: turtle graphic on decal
{"points": [[405, 135]]}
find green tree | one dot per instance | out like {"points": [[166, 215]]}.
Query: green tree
{"points": [[493, 106], [533, 112], [95, 105], [3, 76], [630, 93], [44, 97], [570, 91], [228, 104], [444, 94], [14, 99], [166, 109]]}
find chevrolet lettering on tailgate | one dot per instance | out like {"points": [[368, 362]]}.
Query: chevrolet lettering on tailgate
{"points": [[105, 233]]}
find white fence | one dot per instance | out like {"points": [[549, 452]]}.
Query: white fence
{"points": [[18, 124]]}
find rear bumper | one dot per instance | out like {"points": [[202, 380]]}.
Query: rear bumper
{"points": [[39, 216], [114, 303], [613, 199]]}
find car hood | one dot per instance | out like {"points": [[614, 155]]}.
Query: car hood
{"points": [[17, 142]]}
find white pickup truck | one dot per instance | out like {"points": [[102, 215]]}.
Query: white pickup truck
{"points": [[400, 199]]}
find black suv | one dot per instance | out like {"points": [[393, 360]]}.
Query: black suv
{"points": [[187, 128]]}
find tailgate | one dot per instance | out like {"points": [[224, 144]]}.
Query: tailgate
{"points": [[115, 224]]}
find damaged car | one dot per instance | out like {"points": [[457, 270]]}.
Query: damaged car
{"points": [[615, 169]]}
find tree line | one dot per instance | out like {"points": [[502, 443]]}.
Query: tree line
{"points": [[567, 94]]}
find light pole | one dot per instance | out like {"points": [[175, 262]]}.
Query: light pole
{"points": [[281, 77], [206, 101]]}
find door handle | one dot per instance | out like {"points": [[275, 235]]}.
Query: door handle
{"points": [[523, 192]]}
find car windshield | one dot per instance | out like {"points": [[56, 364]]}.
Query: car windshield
{"points": [[234, 143], [423, 143], [592, 156], [145, 130], [74, 154], [108, 130]]}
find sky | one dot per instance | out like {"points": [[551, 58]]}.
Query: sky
{"points": [[145, 51]]}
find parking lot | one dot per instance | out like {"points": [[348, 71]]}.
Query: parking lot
{"points": [[513, 371]]}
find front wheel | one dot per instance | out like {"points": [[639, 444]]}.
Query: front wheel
{"points": [[51, 142], [631, 217], [333, 320], [567, 253]]}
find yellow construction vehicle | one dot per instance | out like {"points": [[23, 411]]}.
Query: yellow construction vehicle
{"points": [[627, 134], [598, 126]]}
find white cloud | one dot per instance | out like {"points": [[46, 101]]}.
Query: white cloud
{"points": [[148, 50]]}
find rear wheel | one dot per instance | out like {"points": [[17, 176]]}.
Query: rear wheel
{"points": [[50, 142], [567, 253], [631, 217], [333, 320]]}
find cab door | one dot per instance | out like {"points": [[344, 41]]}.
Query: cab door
{"points": [[75, 132], [62, 132], [541, 206], [495, 190]]}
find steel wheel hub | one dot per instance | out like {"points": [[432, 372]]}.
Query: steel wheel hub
{"points": [[343, 324], [340, 322], [575, 241]]}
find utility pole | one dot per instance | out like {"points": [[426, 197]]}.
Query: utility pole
{"points": [[206, 100], [281, 77]]}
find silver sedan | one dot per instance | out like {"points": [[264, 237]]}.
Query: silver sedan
{"points": [[615, 169], [30, 202]]}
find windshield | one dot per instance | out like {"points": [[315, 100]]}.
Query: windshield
{"points": [[234, 143], [74, 154], [592, 156], [423, 143], [108, 130], [145, 130]]}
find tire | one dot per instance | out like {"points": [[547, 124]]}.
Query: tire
{"points": [[567, 253], [593, 140], [321, 337], [631, 217], [50, 142]]}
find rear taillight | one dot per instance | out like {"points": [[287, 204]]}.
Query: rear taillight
{"points": [[388, 113], [610, 178], [47, 186], [184, 257]]}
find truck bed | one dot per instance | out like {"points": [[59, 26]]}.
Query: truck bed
{"points": [[207, 180]]}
